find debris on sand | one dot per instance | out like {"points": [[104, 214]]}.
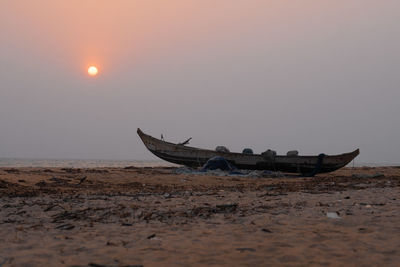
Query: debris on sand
{"points": [[246, 249], [333, 215], [151, 236], [81, 180], [66, 226], [131, 168], [41, 183], [11, 170], [59, 180], [230, 173], [227, 207], [367, 175]]}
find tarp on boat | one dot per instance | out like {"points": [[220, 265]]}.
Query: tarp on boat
{"points": [[218, 162]]}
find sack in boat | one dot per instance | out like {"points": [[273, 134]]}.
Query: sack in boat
{"points": [[222, 149], [269, 154], [292, 153]]}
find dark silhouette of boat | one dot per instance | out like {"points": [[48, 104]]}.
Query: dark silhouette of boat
{"points": [[197, 157]]}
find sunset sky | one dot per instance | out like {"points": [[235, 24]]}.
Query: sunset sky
{"points": [[313, 75]]}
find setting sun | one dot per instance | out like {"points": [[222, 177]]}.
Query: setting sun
{"points": [[92, 71]]}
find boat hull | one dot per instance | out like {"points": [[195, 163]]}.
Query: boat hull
{"points": [[195, 157]]}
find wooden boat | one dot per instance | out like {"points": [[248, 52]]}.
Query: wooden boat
{"points": [[196, 157]]}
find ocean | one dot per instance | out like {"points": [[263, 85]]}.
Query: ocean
{"points": [[80, 163]]}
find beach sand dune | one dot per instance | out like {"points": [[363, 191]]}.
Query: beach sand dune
{"points": [[155, 217]]}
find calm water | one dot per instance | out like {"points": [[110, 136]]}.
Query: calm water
{"points": [[79, 163]]}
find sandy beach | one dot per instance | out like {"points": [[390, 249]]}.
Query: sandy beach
{"points": [[156, 217]]}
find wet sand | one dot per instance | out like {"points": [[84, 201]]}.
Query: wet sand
{"points": [[155, 217]]}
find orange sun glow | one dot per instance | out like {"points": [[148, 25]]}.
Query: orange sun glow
{"points": [[92, 71]]}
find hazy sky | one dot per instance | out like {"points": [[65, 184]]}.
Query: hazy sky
{"points": [[316, 76]]}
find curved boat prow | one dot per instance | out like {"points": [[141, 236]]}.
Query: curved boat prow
{"points": [[139, 132], [353, 154], [146, 139], [336, 162]]}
